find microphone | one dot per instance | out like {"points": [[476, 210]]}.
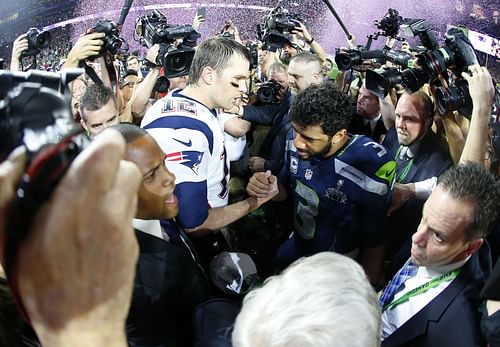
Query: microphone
{"points": [[124, 12]]}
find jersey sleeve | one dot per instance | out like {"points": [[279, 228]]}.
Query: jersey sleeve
{"points": [[374, 205]]}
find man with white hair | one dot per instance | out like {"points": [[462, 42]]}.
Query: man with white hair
{"points": [[320, 301]]}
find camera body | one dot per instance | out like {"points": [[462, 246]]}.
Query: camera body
{"points": [[456, 54], [253, 48], [389, 24], [37, 40], [352, 58], [32, 111], [154, 29], [268, 92], [276, 26], [112, 41]]}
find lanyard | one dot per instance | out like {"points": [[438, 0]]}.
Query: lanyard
{"points": [[449, 276], [406, 169]]}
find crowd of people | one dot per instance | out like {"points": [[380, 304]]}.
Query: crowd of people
{"points": [[259, 198]]}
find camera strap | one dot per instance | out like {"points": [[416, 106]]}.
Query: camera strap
{"points": [[111, 72]]}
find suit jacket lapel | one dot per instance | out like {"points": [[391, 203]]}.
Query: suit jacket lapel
{"points": [[417, 325]]}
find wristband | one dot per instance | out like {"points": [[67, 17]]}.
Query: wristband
{"points": [[310, 41]]}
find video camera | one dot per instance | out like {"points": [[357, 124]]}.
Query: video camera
{"points": [[275, 28], [154, 29], [352, 58], [37, 40], [389, 24]]}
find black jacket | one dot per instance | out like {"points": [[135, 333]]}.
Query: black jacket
{"points": [[452, 318], [169, 284], [275, 115]]}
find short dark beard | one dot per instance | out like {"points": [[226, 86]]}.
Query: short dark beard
{"points": [[322, 154]]}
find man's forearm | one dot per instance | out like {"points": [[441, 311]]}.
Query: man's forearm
{"points": [[220, 217], [142, 92], [372, 262], [320, 52], [475, 143]]}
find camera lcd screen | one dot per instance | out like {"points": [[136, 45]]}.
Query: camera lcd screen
{"points": [[485, 43]]}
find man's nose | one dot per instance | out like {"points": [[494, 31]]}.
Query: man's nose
{"points": [[420, 236]]}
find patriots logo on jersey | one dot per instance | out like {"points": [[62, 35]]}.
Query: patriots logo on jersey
{"points": [[191, 159]]}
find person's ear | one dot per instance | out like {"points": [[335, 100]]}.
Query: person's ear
{"points": [[209, 75], [473, 247], [339, 136]]}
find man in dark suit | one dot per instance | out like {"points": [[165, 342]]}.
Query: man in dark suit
{"points": [[304, 70], [421, 158], [169, 281], [367, 119], [433, 300]]}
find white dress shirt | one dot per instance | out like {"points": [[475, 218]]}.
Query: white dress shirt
{"points": [[393, 318]]}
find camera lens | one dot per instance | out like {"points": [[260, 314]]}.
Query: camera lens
{"points": [[414, 79], [380, 83], [42, 40], [346, 60], [265, 94], [455, 98], [161, 85], [177, 63]]}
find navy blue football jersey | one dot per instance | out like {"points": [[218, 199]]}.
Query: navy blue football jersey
{"points": [[340, 202]]}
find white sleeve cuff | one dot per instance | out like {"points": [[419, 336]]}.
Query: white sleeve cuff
{"points": [[424, 188]]}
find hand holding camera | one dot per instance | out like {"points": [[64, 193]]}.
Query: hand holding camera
{"points": [[87, 46], [481, 89], [19, 46]]}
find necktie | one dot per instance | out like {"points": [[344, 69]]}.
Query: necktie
{"points": [[402, 163], [397, 283], [368, 129]]}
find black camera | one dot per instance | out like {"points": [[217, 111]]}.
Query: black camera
{"points": [[456, 54], [352, 58], [454, 98], [389, 24], [33, 112], [112, 41], [268, 92], [154, 29], [37, 40], [275, 27], [253, 48]]}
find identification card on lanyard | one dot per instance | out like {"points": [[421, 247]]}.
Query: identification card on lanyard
{"points": [[449, 276], [406, 169]]}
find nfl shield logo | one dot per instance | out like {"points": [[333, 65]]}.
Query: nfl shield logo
{"points": [[309, 174], [294, 164]]}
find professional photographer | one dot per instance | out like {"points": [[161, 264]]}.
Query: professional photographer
{"points": [[19, 46], [171, 50], [315, 47], [140, 100], [286, 33], [27, 46]]}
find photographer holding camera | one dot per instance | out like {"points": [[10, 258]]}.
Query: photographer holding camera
{"points": [[19, 46]]}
